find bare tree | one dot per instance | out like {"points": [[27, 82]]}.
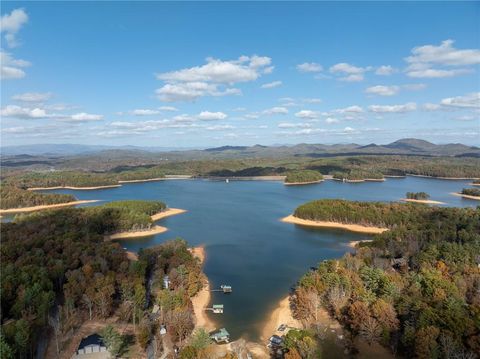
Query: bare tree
{"points": [[337, 298], [54, 322], [88, 303], [370, 330]]}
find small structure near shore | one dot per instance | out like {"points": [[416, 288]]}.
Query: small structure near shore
{"points": [[92, 345], [216, 308], [221, 336]]}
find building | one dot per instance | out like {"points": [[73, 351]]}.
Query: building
{"points": [[92, 347], [221, 336], [166, 282], [217, 308]]}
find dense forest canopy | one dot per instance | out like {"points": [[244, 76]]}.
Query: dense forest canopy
{"points": [[358, 175], [471, 192], [417, 195], [14, 197], [303, 176], [415, 288], [56, 267]]}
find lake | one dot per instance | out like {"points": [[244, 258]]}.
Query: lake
{"points": [[246, 244]]}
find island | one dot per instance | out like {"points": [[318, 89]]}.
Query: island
{"points": [[419, 197], [469, 193], [354, 176], [399, 291], [303, 177]]}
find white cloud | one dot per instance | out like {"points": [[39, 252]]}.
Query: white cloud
{"points": [[351, 73], [309, 67], [431, 61], [276, 111], [385, 70], [312, 100], [15, 111], [307, 114], [348, 130], [294, 125], [83, 117], [33, 97], [219, 127], [11, 68], [211, 116], [414, 87], [466, 118], [11, 23], [381, 90], [471, 100], [168, 108], [144, 112], [431, 107], [350, 109], [410, 106], [331, 120], [211, 79], [271, 85]]}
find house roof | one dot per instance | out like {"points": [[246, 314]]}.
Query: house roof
{"points": [[93, 339], [221, 333]]}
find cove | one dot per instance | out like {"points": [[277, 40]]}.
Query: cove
{"points": [[246, 244]]}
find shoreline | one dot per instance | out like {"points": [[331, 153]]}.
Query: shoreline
{"points": [[444, 178], [282, 314], [202, 299], [167, 213], [324, 224], [73, 187], [360, 180], [136, 234], [246, 178], [474, 184], [353, 244], [425, 201], [302, 183], [143, 180], [45, 206], [476, 198]]}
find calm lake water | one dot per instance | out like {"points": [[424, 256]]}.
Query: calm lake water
{"points": [[246, 244]]}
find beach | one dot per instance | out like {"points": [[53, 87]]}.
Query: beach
{"points": [[301, 183], [461, 195], [136, 234], [167, 213], [72, 187], [353, 244], [323, 224], [45, 207], [201, 300], [425, 201], [282, 314]]}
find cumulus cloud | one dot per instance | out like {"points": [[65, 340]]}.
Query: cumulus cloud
{"points": [[471, 100], [12, 68], [348, 72], [83, 117], [219, 127], [294, 125], [11, 23], [215, 78], [19, 112], [381, 90], [144, 112], [414, 87], [33, 97], [307, 114], [385, 70], [211, 116], [309, 67], [168, 108], [444, 60], [350, 109], [410, 106], [271, 85], [276, 111], [331, 120]]}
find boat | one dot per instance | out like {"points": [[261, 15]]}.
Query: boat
{"points": [[227, 181]]}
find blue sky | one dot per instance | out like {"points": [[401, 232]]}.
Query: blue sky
{"points": [[208, 74]]}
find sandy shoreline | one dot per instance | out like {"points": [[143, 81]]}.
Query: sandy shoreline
{"points": [[461, 195], [282, 314], [323, 224], [202, 299], [425, 201], [474, 184], [136, 234], [44, 207], [444, 178], [72, 187], [353, 244], [143, 180], [167, 213], [301, 183], [247, 178]]}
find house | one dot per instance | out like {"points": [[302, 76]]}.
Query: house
{"points": [[226, 288], [166, 282], [221, 336], [274, 341], [92, 347]]}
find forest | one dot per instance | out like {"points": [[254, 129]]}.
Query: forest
{"points": [[15, 197], [417, 195], [414, 289], [57, 272], [303, 176], [358, 175], [471, 192]]}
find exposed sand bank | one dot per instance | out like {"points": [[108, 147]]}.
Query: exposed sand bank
{"points": [[72, 187], [201, 300], [474, 184], [247, 178], [132, 256], [425, 201], [301, 183], [167, 213], [323, 224], [375, 179], [44, 207], [282, 314], [136, 234], [477, 198]]}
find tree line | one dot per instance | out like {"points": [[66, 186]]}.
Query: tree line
{"points": [[14, 197], [303, 176]]}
